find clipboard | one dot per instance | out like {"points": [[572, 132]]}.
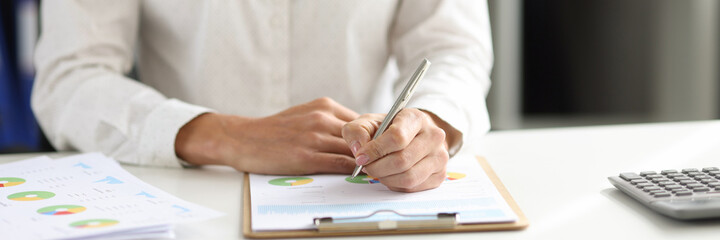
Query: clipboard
{"points": [[442, 222]]}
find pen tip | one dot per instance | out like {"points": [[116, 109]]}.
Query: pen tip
{"points": [[357, 171]]}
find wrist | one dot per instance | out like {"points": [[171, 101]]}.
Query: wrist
{"points": [[453, 137], [203, 140]]}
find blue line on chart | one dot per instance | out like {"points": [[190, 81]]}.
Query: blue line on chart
{"points": [[184, 210], [110, 180], [82, 165], [143, 193], [441, 205]]}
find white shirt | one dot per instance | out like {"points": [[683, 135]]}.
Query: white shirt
{"points": [[250, 58]]}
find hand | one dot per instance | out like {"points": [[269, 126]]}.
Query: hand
{"points": [[304, 139], [411, 155]]}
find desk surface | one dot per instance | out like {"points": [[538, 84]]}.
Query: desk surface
{"points": [[557, 176]]}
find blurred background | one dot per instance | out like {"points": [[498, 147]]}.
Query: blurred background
{"points": [[557, 63], [573, 63]]}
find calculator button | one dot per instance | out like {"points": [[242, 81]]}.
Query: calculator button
{"points": [[629, 176], [694, 185], [682, 178], [666, 172], [701, 189], [707, 169], [687, 170], [714, 184], [645, 173], [663, 194], [652, 188], [652, 192], [686, 182], [657, 180], [662, 184], [653, 177], [674, 175], [700, 177], [644, 185], [714, 172], [683, 193], [694, 174], [636, 181], [672, 187], [709, 180]]}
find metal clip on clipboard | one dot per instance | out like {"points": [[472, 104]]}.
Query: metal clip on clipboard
{"points": [[362, 223]]}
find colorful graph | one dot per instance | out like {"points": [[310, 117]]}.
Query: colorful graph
{"points": [[94, 223], [451, 176], [31, 196], [61, 210], [291, 181], [362, 179], [11, 181]]}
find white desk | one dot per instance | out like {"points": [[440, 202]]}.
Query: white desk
{"points": [[557, 176]]}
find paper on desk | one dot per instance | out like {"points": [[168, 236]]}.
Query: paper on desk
{"points": [[86, 196], [291, 202]]}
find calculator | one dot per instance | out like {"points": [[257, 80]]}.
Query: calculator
{"points": [[686, 194]]}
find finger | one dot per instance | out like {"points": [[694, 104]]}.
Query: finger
{"points": [[406, 125], [435, 180], [319, 121], [357, 132], [330, 144], [403, 160], [416, 175], [344, 113], [337, 109], [329, 163]]}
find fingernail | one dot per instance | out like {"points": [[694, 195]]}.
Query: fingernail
{"points": [[354, 146], [362, 159], [364, 170]]}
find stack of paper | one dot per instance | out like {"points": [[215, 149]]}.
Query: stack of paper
{"points": [[86, 196]]}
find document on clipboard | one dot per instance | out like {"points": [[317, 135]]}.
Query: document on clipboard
{"points": [[470, 195]]}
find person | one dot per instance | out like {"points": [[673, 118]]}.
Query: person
{"points": [[270, 87]]}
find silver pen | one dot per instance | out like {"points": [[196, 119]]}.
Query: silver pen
{"points": [[400, 103]]}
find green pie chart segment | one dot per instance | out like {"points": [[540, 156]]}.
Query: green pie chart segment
{"points": [[362, 179], [10, 181], [94, 223], [291, 181], [31, 196]]}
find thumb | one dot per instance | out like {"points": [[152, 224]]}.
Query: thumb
{"points": [[358, 132]]}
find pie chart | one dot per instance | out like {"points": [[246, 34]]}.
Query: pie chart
{"points": [[94, 223], [451, 176], [61, 210], [10, 181], [362, 179], [291, 181], [31, 196]]}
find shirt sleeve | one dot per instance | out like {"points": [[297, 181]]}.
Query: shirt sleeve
{"points": [[455, 37], [82, 98]]}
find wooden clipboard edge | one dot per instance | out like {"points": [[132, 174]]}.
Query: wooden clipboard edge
{"points": [[521, 223]]}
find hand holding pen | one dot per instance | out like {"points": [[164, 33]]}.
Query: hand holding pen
{"points": [[408, 150]]}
